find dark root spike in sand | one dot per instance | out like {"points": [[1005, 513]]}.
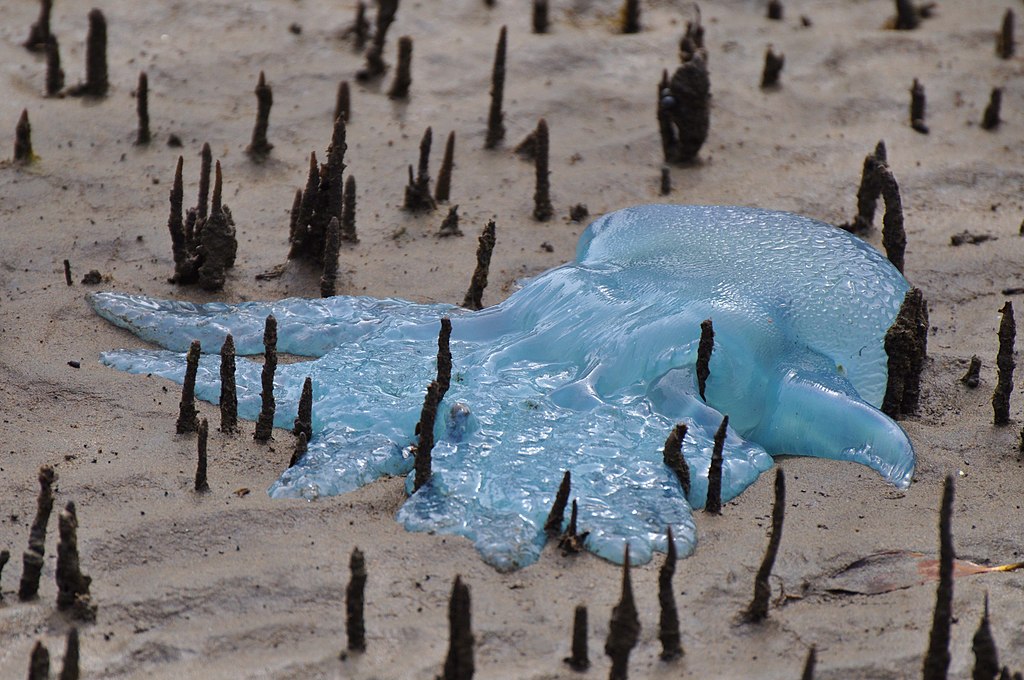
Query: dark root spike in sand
{"points": [[713, 504], [355, 599], [631, 16], [259, 147], [580, 659], [672, 456], [757, 611], [485, 247], [684, 107], [1005, 364], [542, 208], [228, 390], [32, 559], [23, 153], [553, 525], [54, 73], [72, 585], [444, 176], [917, 107], [96, 80], [375, 66], [668, 623], [986, 654], [188, 416], [773, 64], [495, 116], [417, 191], [202, 485], [1005, 44], [936, 660], [459, 664], [868, 192], [39, 662], [906, 345], [265, 422], [332, 247], [425, 432], [624, 627], [143, 136], [539, 18], [39, 34], [705, 347], [990, 120], [403, 72]]}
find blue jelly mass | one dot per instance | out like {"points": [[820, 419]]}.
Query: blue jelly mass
{"points": [[586, 368]]}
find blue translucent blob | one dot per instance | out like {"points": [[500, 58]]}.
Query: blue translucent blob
{"points": [[586, 368]]}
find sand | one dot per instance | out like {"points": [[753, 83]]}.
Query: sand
{"points": [[231, 584]]}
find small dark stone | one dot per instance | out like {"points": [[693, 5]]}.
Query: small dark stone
{"points": [[578, 212], [92, 277]]}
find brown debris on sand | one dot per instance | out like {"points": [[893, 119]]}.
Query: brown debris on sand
{"points": [[474, 296], [906, 345], [188, 416], [571, 541], [757, 611], [265, 421], [623, 628], [32, 559], [72, 585]]}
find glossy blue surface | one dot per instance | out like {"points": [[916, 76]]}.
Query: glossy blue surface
{"points": [[585, 368]]}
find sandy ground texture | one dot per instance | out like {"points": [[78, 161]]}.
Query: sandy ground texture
{"points": [[232, 584]]}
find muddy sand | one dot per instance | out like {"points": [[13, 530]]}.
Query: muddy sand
{"points": [[233, 584]]}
